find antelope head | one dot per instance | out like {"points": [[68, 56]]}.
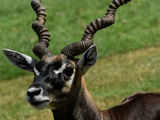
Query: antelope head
{"points": [[55, 75]]}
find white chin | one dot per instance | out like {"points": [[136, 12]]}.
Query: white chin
{"points": [[39, 103]]}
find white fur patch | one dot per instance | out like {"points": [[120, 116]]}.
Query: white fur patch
{"points": [[32, 89], [60, 70], [39, 97], [27, 58], [68, 84], [70, 81], [36, 71]]}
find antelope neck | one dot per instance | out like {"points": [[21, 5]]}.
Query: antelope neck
{"points": [[81, 108]]}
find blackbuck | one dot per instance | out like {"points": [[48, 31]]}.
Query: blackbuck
{"points": [[58, 79]]}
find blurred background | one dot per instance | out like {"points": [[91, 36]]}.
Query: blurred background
{"points": [[129, 50]]}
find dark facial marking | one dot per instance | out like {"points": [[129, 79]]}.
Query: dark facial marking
{"points": [[39, 65], [59, 84], [56, 80], [68, 71], [56, 65]]}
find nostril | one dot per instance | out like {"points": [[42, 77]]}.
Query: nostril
{"points": [[33, 92]]}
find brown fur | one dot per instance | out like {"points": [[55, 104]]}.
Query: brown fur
{"points": [[140, 106], [53, 59]]}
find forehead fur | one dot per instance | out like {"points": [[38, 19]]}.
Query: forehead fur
{"points": [[53, 59], [59, 58]]}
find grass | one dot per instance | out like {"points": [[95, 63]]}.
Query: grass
{"points": [[137, 26], [123, 74], [115, 77]]}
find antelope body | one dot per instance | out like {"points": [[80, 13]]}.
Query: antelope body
{"points": [[59, 85]]}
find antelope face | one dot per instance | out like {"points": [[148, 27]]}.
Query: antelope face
{"points": [[53, 76], [52, 82]]}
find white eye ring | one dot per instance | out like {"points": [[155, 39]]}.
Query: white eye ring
{"points": [[60, 70], [36, 71]]}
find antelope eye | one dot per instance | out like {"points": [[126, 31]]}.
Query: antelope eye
{"points": [[57, 65], [68, 71], [39, 65]]}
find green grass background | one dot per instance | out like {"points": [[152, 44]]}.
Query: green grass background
{"points": [[137, 26], [109, 83], [129, 52]]}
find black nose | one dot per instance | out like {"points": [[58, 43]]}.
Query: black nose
{"points": [[33, 91]]}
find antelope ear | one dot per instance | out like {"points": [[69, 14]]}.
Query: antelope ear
{"points": [[20, 60], [88, 59]]}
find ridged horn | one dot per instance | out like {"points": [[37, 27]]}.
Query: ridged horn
{"points": [[41, 48], [78, 48]]}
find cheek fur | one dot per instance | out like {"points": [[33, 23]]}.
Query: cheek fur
{"points": [[36, 71], [68, 84]]}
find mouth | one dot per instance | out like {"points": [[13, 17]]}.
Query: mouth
{"points": [[40, 104], [37, 103]]}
